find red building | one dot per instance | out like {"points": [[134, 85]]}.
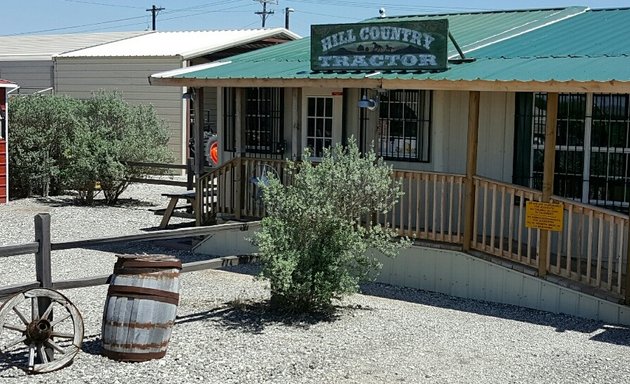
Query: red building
{"points": [[5, 87]]}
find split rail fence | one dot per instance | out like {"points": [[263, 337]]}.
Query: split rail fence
{"points": [[42, 247]]}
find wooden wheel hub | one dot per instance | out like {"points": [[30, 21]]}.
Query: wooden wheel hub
{"points": [[38, 331]]}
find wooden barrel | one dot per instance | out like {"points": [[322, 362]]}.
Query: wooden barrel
{"points": [[140, 308]]}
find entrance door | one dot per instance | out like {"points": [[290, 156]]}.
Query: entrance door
{"points": [[322, 110]]}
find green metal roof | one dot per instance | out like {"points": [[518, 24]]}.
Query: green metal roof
{"points": [[477, 29], [559, 45], [594, 33]]}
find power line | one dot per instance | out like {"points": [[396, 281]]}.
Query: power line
{"points": [[103, 4]]}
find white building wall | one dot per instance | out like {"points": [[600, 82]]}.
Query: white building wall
{"points": [[81, 76]]}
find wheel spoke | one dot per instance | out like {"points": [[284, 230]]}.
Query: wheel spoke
{"points": [[48, 310], [31, 356], [12, 343], [41, 352], [14, 327], [20, 315], [54, 346], [62, 335], [34, 308], [59, 320]]}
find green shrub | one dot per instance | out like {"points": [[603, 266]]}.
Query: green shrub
{"points": [[40, 127], [62, 143], [313, 248], [114, 133]]}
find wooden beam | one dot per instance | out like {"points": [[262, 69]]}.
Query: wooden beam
{"points": [[548, 173], [198, 132], [612, 86], [239, 125], [471, 166]]}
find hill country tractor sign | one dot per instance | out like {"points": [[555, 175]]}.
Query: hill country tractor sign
{"points": [[402, 45]]}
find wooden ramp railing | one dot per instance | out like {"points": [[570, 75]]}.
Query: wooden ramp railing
{"points": [[591, 249]]}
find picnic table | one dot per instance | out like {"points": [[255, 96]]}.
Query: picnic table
{"points": [[173, 209]]}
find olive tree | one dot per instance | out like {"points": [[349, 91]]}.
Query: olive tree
{"points": [[317, 240], [60, 143]]}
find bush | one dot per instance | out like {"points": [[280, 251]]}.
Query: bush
{"points": [[313, 248], [39, 128], [114, 133], [62, 143]]}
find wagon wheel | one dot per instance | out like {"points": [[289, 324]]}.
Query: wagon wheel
{"points": [[27, 337]]}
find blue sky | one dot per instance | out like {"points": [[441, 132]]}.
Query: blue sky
{"points": [[75, 16]]}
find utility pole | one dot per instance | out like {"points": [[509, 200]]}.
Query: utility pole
{"points": [[287, 11], [154, 11], [265, 13]]}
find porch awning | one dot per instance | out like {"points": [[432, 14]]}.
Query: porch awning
{"points": [[563, 54]]}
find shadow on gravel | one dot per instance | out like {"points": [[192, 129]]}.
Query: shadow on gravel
{"points": [[67, 201], [253, 317], [605, 333], [91, 345]]}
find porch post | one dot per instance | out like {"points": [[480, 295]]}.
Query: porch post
{"points": [[240, 149], [627, 294], [471, 166], [548, 169], [198, 133], [199, 154]]}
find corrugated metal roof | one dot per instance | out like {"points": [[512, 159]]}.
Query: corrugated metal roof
{"points": [[474, 30], [590, 46], [594, 33], [43, 47], [184, 44]]}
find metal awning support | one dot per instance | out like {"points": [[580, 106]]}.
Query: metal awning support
{"points": [[462, 58]]}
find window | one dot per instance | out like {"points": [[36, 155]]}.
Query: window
{"points": [[319, 121], [592, 147], [403, 125], [264, 120]]}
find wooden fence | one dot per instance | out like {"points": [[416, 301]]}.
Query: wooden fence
{"points": [[42, 248], [591, 249]]}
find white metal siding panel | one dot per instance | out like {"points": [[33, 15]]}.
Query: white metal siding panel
{"points": [[80, 77], [450, 128], [493, 134], [423, 268], [31, 76]]}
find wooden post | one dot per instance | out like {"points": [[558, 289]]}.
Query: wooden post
{"points": [[471, 166], [627, 294], [43, 269], [548, 170], [198, 133], [239, 125], [190, 173]]}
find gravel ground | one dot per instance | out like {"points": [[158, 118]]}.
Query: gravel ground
{"points": [[387, 334]]}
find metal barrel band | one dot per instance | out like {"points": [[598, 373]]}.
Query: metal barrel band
{"points": [[151, 264], [144, 293], [127, 356]]}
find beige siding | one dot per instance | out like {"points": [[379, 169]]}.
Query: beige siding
{"points": [[496, 135], [80, 77], [31, 76]]}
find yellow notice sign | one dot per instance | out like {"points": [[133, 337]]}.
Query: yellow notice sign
{"points": [[544, 215]]}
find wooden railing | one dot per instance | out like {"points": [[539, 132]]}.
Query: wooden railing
{"points": [[431, 208], [42, 247], [591, 248], [232, 189]]}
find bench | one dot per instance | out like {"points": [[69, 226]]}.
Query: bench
{"points": [[169, 212]]}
